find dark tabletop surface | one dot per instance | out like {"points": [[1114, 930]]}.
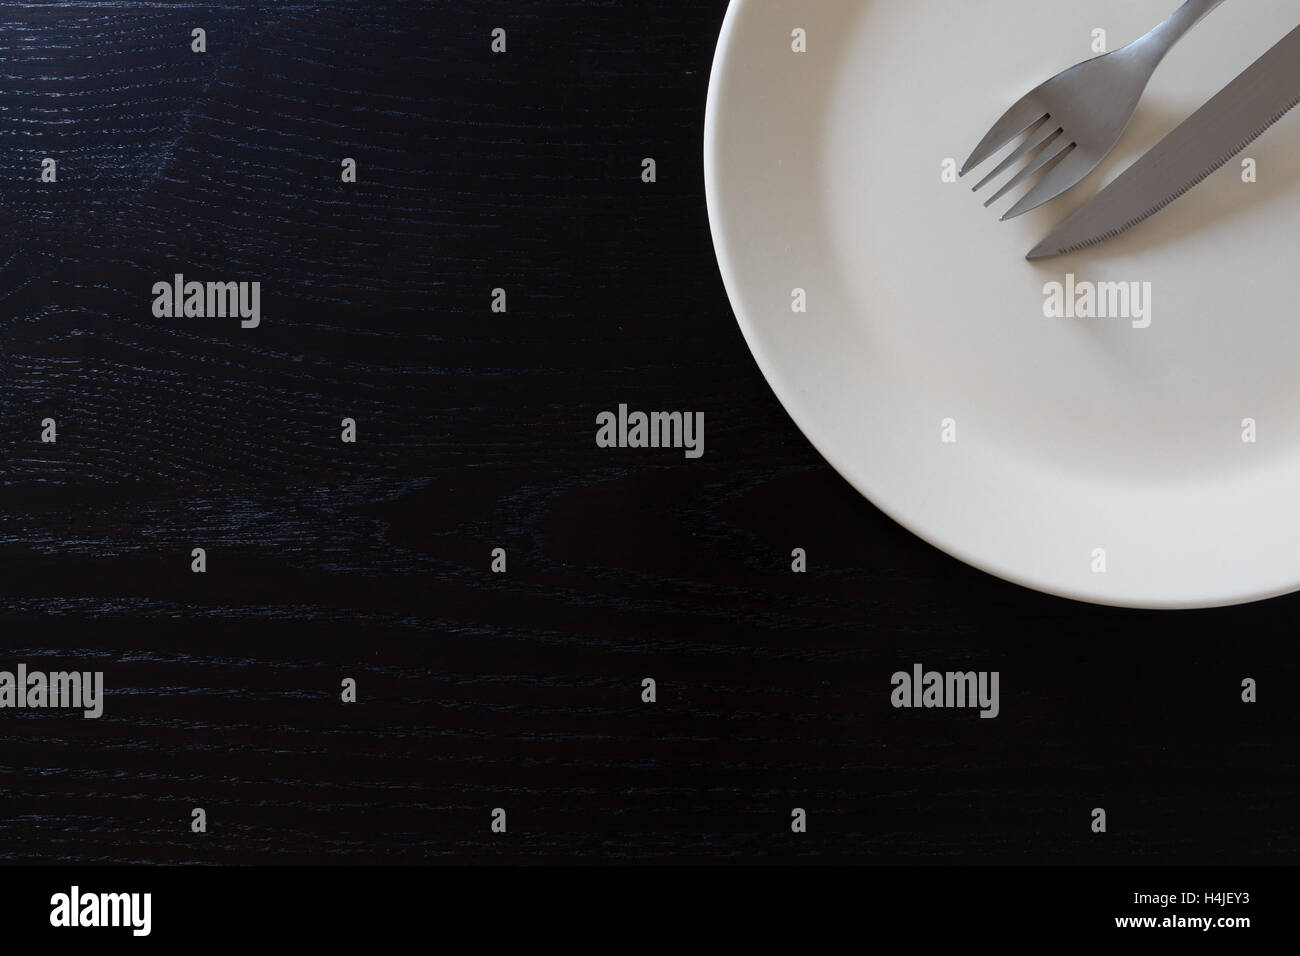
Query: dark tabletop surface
{"points": [[371, 561]]}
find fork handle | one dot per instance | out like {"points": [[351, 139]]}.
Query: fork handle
{"points": [[1161, 40]]}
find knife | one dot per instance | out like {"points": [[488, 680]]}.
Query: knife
{"points": [[1237, 116]]}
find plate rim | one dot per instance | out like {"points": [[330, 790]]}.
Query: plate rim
{"points": [[749, 332]]}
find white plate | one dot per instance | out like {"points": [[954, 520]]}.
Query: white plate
{"points": [[823, 173]]}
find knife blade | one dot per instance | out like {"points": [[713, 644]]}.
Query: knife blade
{"points": [[1233, 119]]}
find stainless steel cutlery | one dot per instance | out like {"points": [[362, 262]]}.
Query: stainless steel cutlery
{"points": [[1071, 122], [1214, 134]]}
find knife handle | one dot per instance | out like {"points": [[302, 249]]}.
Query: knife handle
{"points": [[1161, 40]]}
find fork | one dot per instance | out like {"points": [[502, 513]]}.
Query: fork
{"points": [[1074, 120]]}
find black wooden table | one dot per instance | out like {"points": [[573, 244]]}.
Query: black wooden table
{"points": [[521, 690]]}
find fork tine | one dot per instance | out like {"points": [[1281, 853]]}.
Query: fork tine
{"points": [[1066, 175], [1046, 153], [1037, 134], [1014, 121]]}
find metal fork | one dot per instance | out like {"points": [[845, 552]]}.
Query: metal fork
{"points": [[1074, 120]]}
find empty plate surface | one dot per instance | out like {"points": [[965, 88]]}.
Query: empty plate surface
{"points": [[1120, 425]]}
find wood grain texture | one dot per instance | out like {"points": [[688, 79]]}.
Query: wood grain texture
{"points": [[476, 431]]}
